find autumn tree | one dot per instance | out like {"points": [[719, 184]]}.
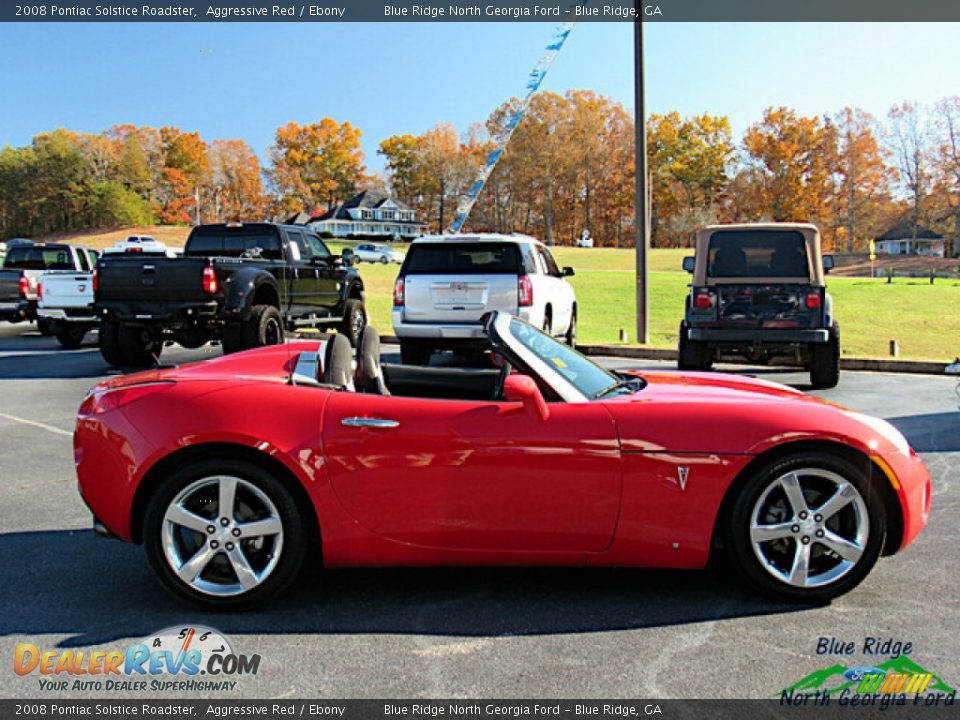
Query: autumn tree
{"points": [[316, 164], [909, 138], [947, 162], [863, 176], [236, 190]]}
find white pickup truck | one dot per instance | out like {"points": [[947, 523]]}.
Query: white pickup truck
{"points": [[65, 299]]}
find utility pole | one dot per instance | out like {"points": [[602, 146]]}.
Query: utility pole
{"points": [[642, 239]]}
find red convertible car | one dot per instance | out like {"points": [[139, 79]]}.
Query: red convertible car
{"points": [[231, 471]]}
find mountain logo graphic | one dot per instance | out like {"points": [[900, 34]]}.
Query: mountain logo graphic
{"points": [[897, 675]]}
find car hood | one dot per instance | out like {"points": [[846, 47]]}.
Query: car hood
{"points": [[716, 413]]}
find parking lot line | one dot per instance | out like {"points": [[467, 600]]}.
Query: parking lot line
{"points": [[42, 426]]}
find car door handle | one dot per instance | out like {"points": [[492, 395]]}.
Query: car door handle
{"points": [[369, 422]]}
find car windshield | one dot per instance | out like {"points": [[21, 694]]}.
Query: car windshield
{"points": [[56, 257], [757, 253], [470, 258], [591, 380]]}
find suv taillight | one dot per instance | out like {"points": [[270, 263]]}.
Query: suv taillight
{"points": [[524, 291], [813, 300], [210, 284], [398, 292], [24, 285], [704, 300]]}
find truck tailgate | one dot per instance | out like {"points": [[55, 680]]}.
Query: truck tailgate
{"points": [[769, 306], [462, 299], [146, 280], [68, 291]]}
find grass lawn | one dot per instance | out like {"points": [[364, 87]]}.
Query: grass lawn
{"points": [[922, 318]]}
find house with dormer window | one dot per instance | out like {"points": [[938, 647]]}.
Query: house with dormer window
{"points": [[370, 214]]}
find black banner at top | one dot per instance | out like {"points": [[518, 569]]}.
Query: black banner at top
{"points": [[482, 11]]}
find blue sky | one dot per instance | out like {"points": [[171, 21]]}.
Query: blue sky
{"points": [[243, 80]]}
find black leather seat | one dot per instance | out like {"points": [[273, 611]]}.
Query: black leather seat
{"points": [[369, 376], [338, 363]]}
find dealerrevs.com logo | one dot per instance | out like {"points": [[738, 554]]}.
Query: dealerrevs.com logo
{"points": [[175, 659]]}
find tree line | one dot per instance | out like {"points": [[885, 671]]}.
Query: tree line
{"points": [[568, 168]]}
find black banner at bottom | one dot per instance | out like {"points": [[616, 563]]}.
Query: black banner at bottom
{"points": [[821, 708]]}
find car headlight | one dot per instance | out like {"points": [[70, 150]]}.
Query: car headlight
{"points": [[887, 431]]}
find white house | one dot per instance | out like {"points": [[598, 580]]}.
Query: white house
{"points": [[371, 214], [899, 240]]}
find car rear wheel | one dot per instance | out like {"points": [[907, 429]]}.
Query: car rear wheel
{"points": [[825, 361], [225, 533], [71, 336], [692, 354], [415, 353], [384, 259], [807, 528]]}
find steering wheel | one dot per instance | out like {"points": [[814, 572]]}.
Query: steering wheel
{"points": [[505, 370]]}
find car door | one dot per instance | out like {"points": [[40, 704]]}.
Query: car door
{"points": [[328, 278], [469, 475], [559, 292], [305, 280]]}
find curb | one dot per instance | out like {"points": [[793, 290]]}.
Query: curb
{"points": [[913, 367]]}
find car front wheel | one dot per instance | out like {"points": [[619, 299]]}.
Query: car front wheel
{"points": [[225, 533], [807, 528]]}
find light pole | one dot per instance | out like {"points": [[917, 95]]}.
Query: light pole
{"points": [[642, 240]]}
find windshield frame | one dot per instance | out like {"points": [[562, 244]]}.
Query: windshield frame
{"points": [[498, 329]]}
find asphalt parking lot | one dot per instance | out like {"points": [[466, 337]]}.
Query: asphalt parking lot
{"points": [[459, 633]]}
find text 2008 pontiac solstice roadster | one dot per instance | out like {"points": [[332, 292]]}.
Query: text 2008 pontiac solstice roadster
{"points": [[230, 470]]}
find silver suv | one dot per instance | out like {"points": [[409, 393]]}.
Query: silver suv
{"points": [[447, 283]]}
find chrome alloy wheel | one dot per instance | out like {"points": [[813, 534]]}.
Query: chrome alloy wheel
{"points": [[222, 536], [809, 527]]}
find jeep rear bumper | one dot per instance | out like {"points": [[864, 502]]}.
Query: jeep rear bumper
{"points": [[760, 336]]}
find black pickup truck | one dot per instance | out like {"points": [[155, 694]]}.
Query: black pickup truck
{"points": [[244, 284]]}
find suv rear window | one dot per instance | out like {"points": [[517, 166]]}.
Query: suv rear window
{"points": [[463, 259], [757, 253], [228, 243], [49, 257]]}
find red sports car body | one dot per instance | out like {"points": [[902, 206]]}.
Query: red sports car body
{"points": [[656, 472]]}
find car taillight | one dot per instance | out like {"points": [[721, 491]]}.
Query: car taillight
{"points": [[98, 402], [24, 286], [398, 292], [210, 284], [95, 280], [524, 291], [813, 300], [704, 300]]}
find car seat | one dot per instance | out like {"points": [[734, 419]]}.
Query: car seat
{"points": [[369, 377], [338, 363]]}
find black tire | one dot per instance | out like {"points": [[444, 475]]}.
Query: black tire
{"points": [[548, 322], [825, 361], [71, 336], [384, 260], [737, 532], [296, 534], [231, 338], [413, 352], [354, 321], [139, 347], [570, 338], [691, 354], [263, 327], [45, 327], [109, 340]]}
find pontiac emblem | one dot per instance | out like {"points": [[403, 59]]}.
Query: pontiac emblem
{"points": [[682, 473]]}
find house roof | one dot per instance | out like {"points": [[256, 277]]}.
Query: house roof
{"points": [[368, 199], [904, 230]]}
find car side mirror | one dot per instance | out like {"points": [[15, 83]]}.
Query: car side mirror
{"points": [[568, 272], [347, 256], [688, 263], [524, 389], [317, 260], [827, 263]]}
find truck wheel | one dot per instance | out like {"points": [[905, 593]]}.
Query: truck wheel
{"points": [[415, 353], [71, 336], [110, 342], [231, 339], [354, 320], [265, 327], [138, 347], [691, 354], [825, 361]]}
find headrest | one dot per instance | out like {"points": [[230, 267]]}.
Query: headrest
{"points": [[338, 362], [368, 358]]}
